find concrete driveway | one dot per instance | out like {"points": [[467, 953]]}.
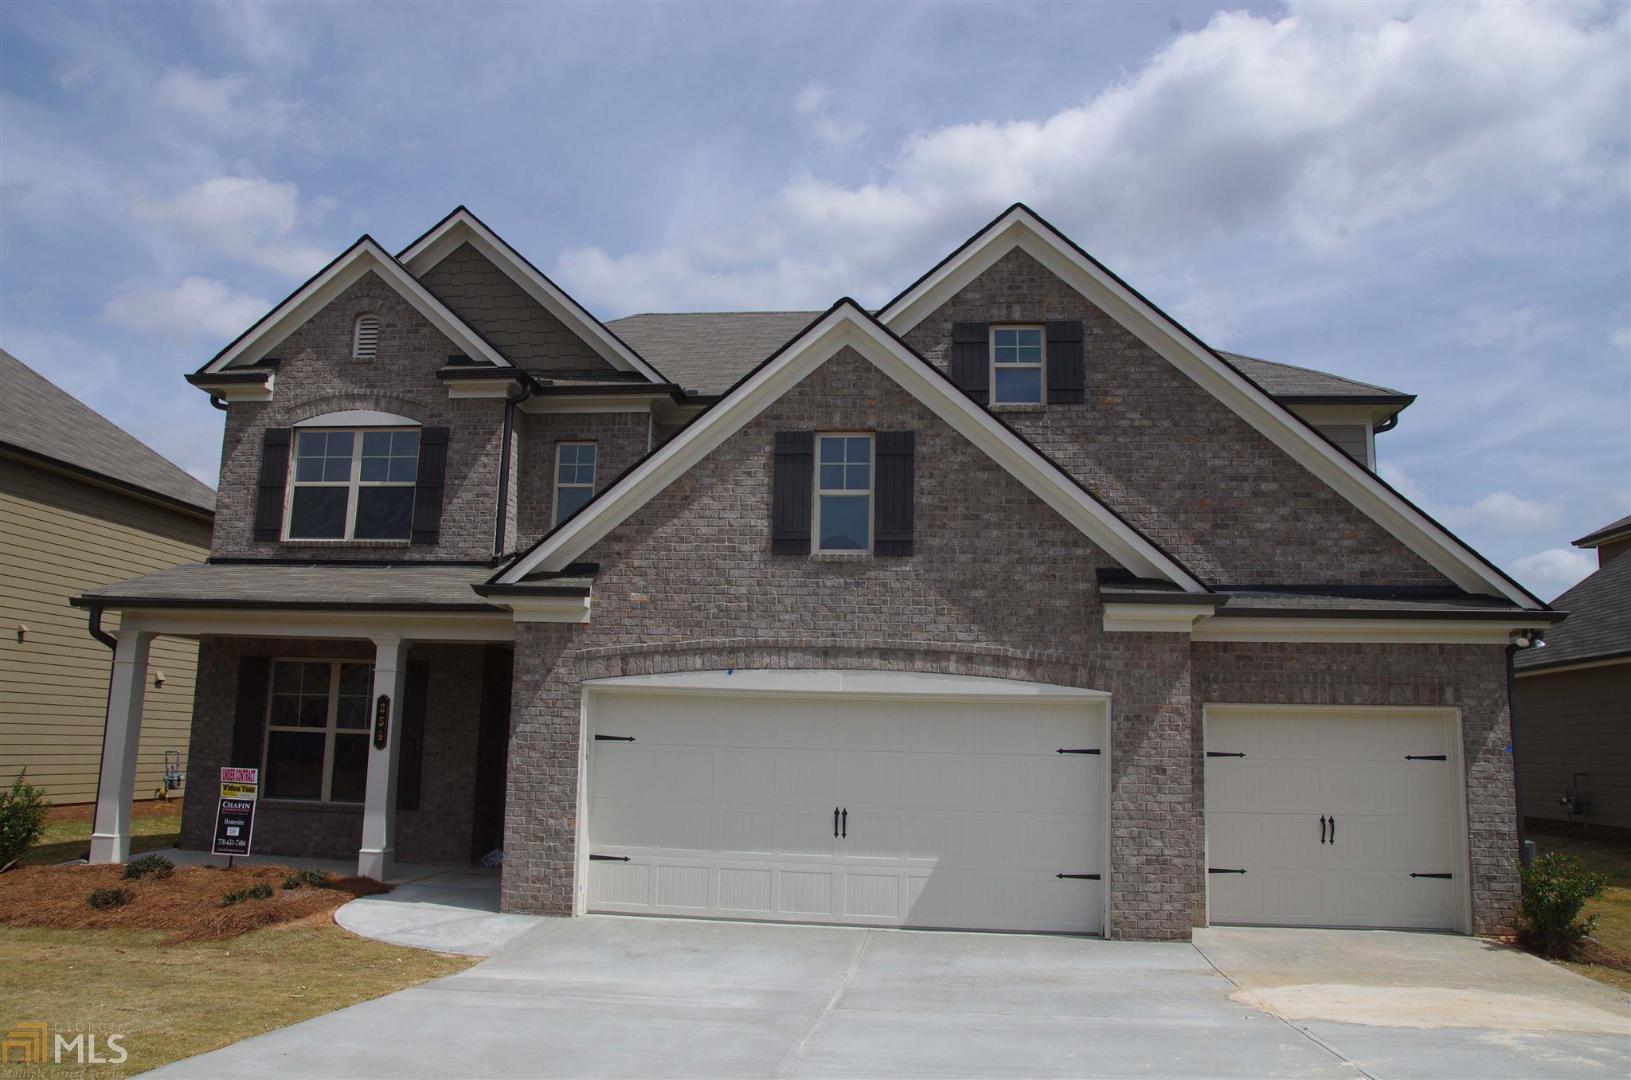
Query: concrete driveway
{"points": [[609, 996]]}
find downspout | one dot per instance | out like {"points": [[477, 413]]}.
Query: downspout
{"points": [[1527, 639], [502, 517], [93, 624], [215, 400]]}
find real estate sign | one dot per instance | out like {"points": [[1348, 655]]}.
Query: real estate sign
{"points": [[235, 814]]}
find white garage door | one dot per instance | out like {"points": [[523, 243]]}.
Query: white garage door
{"points": [[889, 811], [1334, 818]]}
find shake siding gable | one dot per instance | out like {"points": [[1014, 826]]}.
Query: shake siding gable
{"points": [[1170, 457], [318, 376]]}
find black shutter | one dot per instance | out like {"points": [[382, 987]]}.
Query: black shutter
{"points": [[893, 532], [248, 722], [1066, 377], [274, 479], [971, 359], [410, 765], [427, 492], [791, 493]]}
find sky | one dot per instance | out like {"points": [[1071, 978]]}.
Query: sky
{"points": [[1434, 197]]}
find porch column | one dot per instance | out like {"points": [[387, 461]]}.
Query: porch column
{"points": [[110, 840], [377, 856]]}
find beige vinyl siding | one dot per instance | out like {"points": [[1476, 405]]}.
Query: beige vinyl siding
{"points": [[1576, 722], [1352, 438], [60, 536]]}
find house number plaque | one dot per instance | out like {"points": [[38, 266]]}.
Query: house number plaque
{"points": [[382, 721]]}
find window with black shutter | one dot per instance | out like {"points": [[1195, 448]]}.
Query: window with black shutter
{"points": [[1067, 377], [971, 359], [896, 477]]}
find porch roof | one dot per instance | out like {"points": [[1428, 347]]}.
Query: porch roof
{"points": [[314, 586]]}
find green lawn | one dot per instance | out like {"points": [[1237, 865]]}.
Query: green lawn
{"points": [[1610, 857], [68, 831]]}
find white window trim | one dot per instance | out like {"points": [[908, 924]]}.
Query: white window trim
{"points": [[1041, 364], [818, 491], [330, 731], [594, 470], [352, 485], [356, 335]]}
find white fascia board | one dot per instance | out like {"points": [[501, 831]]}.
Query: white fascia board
{"points": [[561, 609], [482, 388], [412, 626], [592, 403], [1019, 228], [1154, 618], [339, 275], [865, 684], [846, 326], [463, 227], [1374, 631], [234, 392]]}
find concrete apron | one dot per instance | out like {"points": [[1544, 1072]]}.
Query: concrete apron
{"points": [[613, 996]]}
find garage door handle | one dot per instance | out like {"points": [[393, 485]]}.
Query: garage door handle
{"points": [[1223, 753], [1426, 757], [1432, 875], [1322, 828], [845, 833], [1333, 828], [608, 858], [1221, 870], [614, 738], [835, 822]]}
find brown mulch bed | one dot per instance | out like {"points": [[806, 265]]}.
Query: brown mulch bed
{"points": [[1592, 951], [186, 905]]}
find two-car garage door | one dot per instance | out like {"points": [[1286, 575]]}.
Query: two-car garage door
{"points": [[871, 800], [1334, 817]]}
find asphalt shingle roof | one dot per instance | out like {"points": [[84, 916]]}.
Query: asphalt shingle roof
{"points": [[1597, 536], [331, 586], [708, 351], [40, 418], [1599, 622]]}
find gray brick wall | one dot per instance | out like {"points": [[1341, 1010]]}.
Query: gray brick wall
{"points": [[439, 831], [620, 441], [1000, 587], [1170, 457], [501, 311], [318, 376]]}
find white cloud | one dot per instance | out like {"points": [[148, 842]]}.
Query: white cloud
{"points": [[811, 106], [1506, 511], [248, 218], [197, 308], [1319, 125], [224, 103], [1552, 571]]}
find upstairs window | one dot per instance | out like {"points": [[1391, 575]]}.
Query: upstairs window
{"points": [[574, 478], [843, 503], [1016, 365], [365, 338], [317, 730], [353, 485]]}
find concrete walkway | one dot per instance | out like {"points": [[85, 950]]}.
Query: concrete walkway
{"points": [[610, 996]]}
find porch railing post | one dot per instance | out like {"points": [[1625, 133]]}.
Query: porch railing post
{"points": [[377, 856], [110, 838]]}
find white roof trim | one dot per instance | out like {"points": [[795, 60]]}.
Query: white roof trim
{"points": [[329, 282], [847, 325], [461, 227], [1021, 228]]}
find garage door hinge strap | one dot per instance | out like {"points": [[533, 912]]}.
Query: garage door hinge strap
{"points": [[1446, 876], [1079, 877], [1062, 750], [614, 738], [1221, 870], [1220, 753], [608, 858], [1427, 757]]}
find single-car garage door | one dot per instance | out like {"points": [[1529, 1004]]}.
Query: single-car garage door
{"points": [[1328, 817], [880, 800]]}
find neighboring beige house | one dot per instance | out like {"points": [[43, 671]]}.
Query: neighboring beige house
{"points": [[83, 503], [1573, 697]]}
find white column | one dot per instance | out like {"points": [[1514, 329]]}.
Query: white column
{"points": [[377, 856], [110, 841]]}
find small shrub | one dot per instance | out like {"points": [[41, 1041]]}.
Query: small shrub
{"points": [[292, 881], [258, 891], [1555, 889], [103, 899], [22, 820], [153, 866], [317, 879]]}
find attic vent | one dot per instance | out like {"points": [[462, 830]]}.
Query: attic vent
{"points": [[365, 341]]}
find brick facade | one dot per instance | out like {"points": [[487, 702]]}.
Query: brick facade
{"points": [[1173, 459], [620, 440]]}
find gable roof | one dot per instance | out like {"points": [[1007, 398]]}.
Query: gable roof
{"points": [[1599, 622], [847, 324], [463, 227], [1021, 227], [311, 297], [39, 419], [1290, 383], [1614, 530]]}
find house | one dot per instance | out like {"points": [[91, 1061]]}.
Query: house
{"points": [[83, 503], [1573, 697], [1009, 605]]}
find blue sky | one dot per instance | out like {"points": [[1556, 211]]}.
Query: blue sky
{"points": [[1436, 198]]}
